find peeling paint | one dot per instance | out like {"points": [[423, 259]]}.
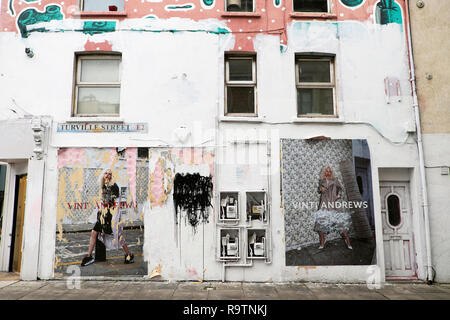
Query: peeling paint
{"points": [[161, 183], [156, 271]]}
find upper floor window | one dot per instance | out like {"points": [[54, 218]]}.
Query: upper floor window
{"points": [[240, 5], [311, 6], [102, 5], [97, 85], [315, 86], [240, 85]]}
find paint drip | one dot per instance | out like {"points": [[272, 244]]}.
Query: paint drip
{"points": [[192, 194]]}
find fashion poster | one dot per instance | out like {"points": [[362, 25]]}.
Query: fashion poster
{"points": [[328, 203], [101, 194]]}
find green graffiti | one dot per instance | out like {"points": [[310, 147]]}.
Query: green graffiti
{"points": [[182, 7], [218, 31], [11, 7], [97, 27], [32, 16], [276, 3], [351, 3], [208, 2], [388, 12]]}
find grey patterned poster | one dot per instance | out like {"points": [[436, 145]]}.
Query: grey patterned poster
{"points": [[326, 188]]}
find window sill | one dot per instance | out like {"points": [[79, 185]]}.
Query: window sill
{"points": [[94, 119], [241, 119], [318, 120], [233, 14], [318, 15], [103, 14]]}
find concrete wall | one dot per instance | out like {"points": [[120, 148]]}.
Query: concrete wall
{"points": [[429, 29]]}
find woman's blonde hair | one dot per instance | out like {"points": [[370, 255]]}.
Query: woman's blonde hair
{"points": [[324, 170], [102, 177]]}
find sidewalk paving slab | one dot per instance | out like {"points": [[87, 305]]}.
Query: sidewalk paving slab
{"points": [[260, 291], [225, 291], [359, 292], [187, 290], [294, 292], [328, 291], [5, 283], [422, 288], [20, 289]]}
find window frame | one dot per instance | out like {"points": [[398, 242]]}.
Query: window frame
{"points": [[237, 83], [309, 12], [253, 7], [81, 6], [316, 85], [400, 224], [78, 83]]}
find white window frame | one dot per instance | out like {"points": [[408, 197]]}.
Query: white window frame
{"points": [[78, 83], [316, 85], [328, 8], [253, 9], [234, 83]]}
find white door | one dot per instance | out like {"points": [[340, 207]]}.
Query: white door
{"points": [[397, 230]]}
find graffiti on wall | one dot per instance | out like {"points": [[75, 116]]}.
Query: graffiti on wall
{"points": [[351, 3], [98, 27], [181, 7], [192, 194], [388, 11], [327, 211], [32, 16], [267, 19], [207, 4]]}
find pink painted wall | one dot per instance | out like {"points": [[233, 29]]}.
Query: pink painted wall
{"points": [[267, 18]]}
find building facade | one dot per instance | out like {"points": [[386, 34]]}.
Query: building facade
{"points": [[247, 140]]}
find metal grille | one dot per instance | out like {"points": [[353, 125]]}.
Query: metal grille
{"points": [[142, 174]]}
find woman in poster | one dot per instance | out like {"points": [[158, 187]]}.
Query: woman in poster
{"points": [[328, 218], [108, 228]]}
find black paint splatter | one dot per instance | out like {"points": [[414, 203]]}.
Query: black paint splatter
{"points": [[192, 193]]}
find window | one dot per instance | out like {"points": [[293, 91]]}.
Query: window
{"points": [[393, 204], [240, 85], [102, 5], [97, 85], [315, 86], [239, 5], [142, 153], [310, 5]]}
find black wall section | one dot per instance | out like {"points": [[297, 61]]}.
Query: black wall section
{"points": [[192, 193]]}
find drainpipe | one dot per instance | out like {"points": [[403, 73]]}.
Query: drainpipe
{"points": [[420, 149]]}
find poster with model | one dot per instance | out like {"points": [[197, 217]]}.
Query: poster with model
{"points": [[328, 204], [101, 194]]}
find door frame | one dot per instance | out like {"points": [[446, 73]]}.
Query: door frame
{"points": [[414, 256], [17, 202], [13, 169]]}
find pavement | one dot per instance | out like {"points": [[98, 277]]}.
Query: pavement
{"points": [[13, 289]]}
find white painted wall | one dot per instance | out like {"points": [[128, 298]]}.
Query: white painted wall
{"points": [[19, 143]]}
